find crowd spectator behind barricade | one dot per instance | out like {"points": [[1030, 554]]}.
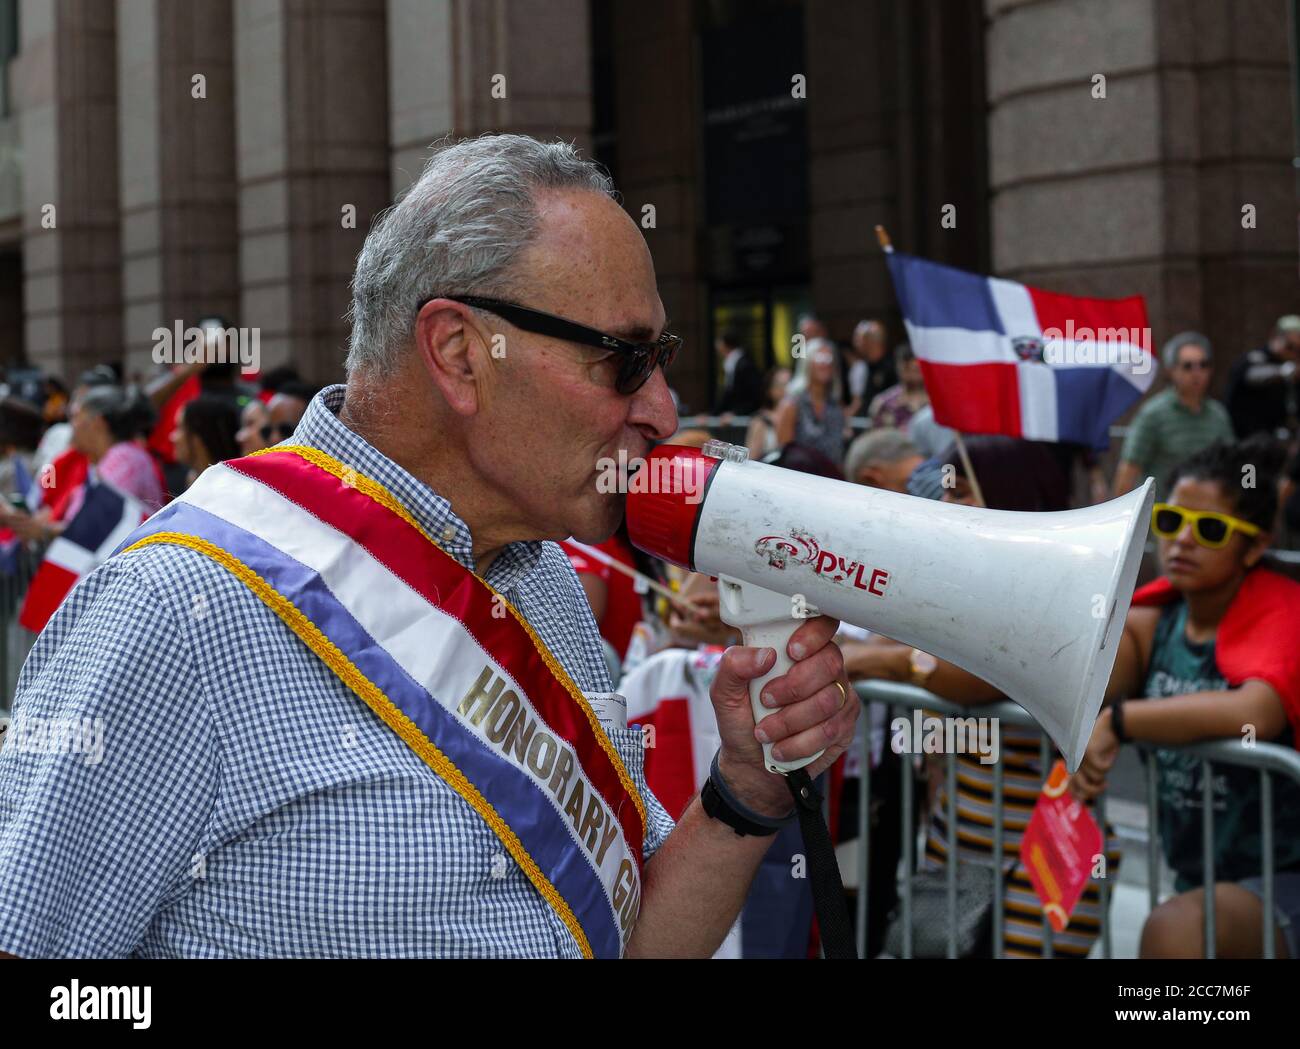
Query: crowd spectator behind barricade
{"points": [[810, 329], [217, 374], [814, 415], [205, 433], [742, 382], [882, 368], [58, 437], [285, 410], [1178, 421], [1209, 652], [55, 407], [252, 418], [109, 424], [866, 354], [882, 459], [1013, 475], [760, 438], [1261, 394], [21, 426], [930, 438], [896, 405]]}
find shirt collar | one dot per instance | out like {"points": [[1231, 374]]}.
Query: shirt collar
{"points": [[321, 428]]}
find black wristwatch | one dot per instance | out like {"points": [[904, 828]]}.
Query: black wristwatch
{"points": [[1117, 721], [721, 805]]}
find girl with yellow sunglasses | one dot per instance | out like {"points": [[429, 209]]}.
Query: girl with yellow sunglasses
{"points": [[1212, 650]]}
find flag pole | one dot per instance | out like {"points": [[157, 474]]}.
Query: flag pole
{"points": [[970, 470], [887, 246], [637, 577]]}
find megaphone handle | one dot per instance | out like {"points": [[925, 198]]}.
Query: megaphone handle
{"points": [[774, 635]]}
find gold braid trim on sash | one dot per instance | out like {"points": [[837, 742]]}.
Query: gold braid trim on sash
{"points": [[396, 719], [376, 491]]}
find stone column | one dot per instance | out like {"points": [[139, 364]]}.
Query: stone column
{"points": [[657, 117], [178, 191], [65, 80], [1142, 190], [312, 148], [462, 67]]}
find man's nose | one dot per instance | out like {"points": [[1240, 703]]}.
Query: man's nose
{"points": [[653, 410]]}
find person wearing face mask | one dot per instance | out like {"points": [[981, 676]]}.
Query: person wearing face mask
{"points": [[814, 416], [1209, 652]]}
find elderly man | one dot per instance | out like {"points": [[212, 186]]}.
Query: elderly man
{"points": [[1178, 421], [882, 459], [353, 698]]}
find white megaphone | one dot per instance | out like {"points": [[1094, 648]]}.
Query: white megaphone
{"points": [[1033, 603]]}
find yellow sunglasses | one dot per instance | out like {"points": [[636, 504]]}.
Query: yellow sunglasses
{"points": [[1210, 529]]}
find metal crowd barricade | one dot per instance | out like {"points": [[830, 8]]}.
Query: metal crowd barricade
{"points": [[1269, 759]]}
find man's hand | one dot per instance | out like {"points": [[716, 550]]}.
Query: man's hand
{"points": [[1089, 779], [811, 713]]}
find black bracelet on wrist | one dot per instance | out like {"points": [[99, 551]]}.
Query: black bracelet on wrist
{"points": [[1117, 721], [721, 804]]}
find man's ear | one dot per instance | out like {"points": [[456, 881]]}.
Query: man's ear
{"points": [[449, 343]]}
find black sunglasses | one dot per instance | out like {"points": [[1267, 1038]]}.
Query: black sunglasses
{"points": [[637, 360], [270, 430]]}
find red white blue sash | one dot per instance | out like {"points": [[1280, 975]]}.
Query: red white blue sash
{"points": [[443, 659]]}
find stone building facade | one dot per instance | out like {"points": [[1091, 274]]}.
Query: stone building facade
{"points": [[160, 160]]}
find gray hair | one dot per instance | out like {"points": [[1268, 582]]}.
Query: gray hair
{"points": [[878, 446], [1169, 352], [458, 230], [115, 406]]}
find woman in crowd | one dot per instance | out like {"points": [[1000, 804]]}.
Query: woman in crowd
{"points": [[105, 423], [1209, 652], [761, 438], [205, 433], [1013, 475], [815, 416]]}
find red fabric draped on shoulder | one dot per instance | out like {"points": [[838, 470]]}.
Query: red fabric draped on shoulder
{"points": [[1259, 636]]}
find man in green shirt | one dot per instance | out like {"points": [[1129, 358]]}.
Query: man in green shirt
{"points": [[1178, 421]]}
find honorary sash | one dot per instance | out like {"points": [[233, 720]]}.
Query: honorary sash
{"points": [[443, 659]]}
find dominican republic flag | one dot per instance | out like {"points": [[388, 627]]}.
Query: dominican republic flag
{"points": [[106, 517], [1001, 357]]}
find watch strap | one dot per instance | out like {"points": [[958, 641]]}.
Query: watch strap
{"points": [[722, 805]]}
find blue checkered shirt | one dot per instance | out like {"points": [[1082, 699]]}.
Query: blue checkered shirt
{"points": [[248, 804]]}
